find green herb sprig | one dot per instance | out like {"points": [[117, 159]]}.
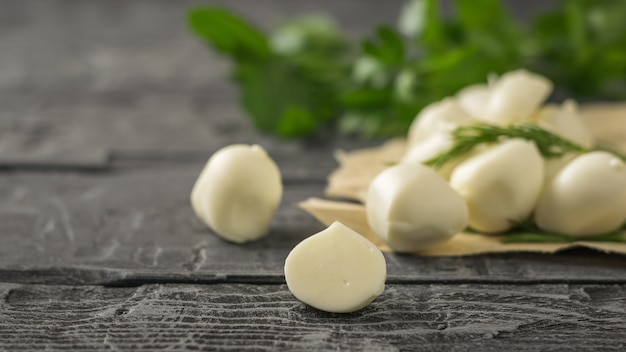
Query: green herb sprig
{"points": [[530, 233], [466, 138]]}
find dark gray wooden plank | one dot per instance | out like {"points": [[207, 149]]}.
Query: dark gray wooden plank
{"points": [[60, 128], [128, 219], [135, 225], [93, 45], [81, 80], [93, 131], [267, 317]]}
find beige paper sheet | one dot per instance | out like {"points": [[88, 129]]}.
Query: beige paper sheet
{"points": [[358, 168]]}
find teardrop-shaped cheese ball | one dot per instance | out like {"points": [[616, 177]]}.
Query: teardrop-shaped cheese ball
{"points": [[237, 192], [500, 185], [412, 208], [566, 122], [336, 270], [474, 99], [515, 96], [439, 117], [552, 166], [429, 148], [587, 197]]}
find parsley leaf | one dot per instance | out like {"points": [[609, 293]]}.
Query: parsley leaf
{"points": [[289, 90], [282, 99], [229, 34]]}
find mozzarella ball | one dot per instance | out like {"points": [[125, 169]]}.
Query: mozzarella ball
{"points": [[566, 122], [474, 99], [439, 117], [238, 192], [586, 197], [552, 166], [500, 185], [412, 208], [515, 96], [336, 270], [428, 148], [432, 147]]}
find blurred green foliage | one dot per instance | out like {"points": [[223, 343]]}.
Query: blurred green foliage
{"points": [[307, 74]]}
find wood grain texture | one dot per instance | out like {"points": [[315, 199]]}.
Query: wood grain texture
{"points": [[267, 317], [135, 224], [84, 46], [82, 80], [127, 219]]}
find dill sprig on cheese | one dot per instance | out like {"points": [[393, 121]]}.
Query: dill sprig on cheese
{"points": [[466, 138]]}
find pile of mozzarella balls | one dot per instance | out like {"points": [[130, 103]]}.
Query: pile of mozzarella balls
{"points": [[496, 187]]}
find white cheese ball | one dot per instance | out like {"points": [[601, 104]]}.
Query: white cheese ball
{"points": [[336, 270], [586, 197], [433, 146], [515, 96], [566, 122], [428, 148], [238, 192], [553, 166], [474, 99], [500, 185], [440, 117], [412, 208]]}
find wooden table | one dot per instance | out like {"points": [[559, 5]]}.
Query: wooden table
{"points": [[108, 111]]}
